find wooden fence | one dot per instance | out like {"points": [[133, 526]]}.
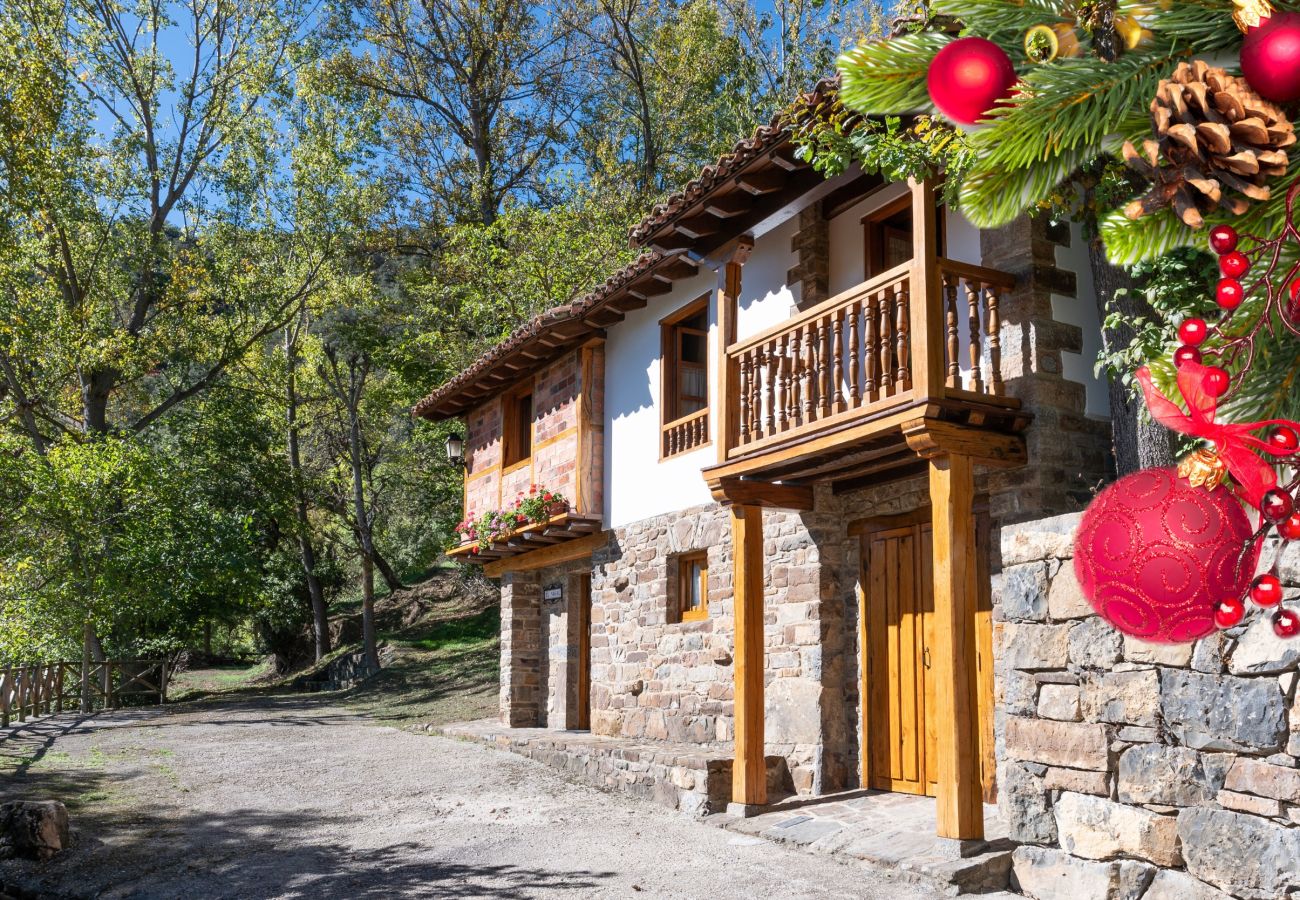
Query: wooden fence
{"points": [[44, 688]]}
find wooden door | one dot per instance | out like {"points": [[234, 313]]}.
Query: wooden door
{"points": [[898, 619], [583, 721]]}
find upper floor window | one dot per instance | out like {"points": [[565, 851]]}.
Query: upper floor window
{"points": [[517, 426], [888, 235], [686, 378]]}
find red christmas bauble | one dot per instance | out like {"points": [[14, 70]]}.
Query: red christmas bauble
{"points": [[1228, 612], [1229, 294], [1267, 590], [1193, 331], [1270, 58], [1234, 264], [968, 77], [1155, 556], [1286, 624], [1185, 354], [1223, 239]]}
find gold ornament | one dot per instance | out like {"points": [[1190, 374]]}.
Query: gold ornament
{"points": [[1203, 468], [1249, 14]]}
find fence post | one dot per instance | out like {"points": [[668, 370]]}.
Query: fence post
{"points": [[58, 687], [22, 693], [6, 690], [162, 682], [110, 701]]}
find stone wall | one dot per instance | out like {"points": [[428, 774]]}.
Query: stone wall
{"points": [[1134, 770]]}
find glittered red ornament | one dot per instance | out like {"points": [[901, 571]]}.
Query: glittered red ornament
{"points": [[1290, 528], [1270, 58], [1276, 506], [1217, 381], [1286, 624], [969, 77], [1154, 555], [1229, 612], [1193, 331], [1186, 354], [1223, 239], [1229, 293], [1283, 440], [1266, 591], [1234, 264]]}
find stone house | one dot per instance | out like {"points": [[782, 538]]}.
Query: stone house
{"points": [[806, 439]]}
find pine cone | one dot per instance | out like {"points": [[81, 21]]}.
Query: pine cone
{"points": [[1212, 132]]}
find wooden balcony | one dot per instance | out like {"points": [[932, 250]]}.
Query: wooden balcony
{"points": [[558, 529], [829, 393]]}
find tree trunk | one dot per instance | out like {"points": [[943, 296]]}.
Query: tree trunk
{"points": [[306, 552], [87, 633], [207, 638], [386, 570], [1138, 442], [368, 612]]}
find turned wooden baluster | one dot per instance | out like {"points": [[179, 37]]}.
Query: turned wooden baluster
{"points": [[756, 394], [812, 377], [798, 370], [950, 319], [837, 355], [902, 313], [772, 374], [823, 366], [884, 311], [872, 385], [744, 397], [994, 327], [976, 343], [785, 382]]}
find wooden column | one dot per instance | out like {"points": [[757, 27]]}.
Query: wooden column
{"points": [[925, 297], [727, 399], [959, 795], [749, 771]]}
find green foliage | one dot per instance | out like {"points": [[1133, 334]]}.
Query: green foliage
{"points": [[883, 77], [491, 526]]}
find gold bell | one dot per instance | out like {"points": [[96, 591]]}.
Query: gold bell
{"points": [[1203, 468]]}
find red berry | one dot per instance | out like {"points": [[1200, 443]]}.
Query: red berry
{"points": [[1295, 289], [1229, 612], [1217, 381], [1286, 624], [1283, 440], [1290, 528], [1193, 331], [1186, 354], [1223, 239], [1234, 264], [1229, 293], [1276, 506], [1267, 590]]}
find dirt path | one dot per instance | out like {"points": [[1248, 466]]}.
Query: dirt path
{"points": [[282, 797]]}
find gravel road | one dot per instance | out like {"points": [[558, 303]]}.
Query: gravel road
{"points": [[283, 797]]}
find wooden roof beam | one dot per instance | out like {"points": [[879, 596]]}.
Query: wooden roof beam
{"points": [[763, 182], [730, 205], [698, 226]]}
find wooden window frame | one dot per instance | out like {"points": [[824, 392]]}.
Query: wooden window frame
{"points": [[510, 426], [873, 223], [685, 563], [669, 356]]}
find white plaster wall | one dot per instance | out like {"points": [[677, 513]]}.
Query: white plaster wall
{"points": [[963, 239], [637, 484], [1081, 310], [847, 242], [765, 298]]}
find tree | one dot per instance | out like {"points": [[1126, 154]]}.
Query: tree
{"points": [[476, 98]]}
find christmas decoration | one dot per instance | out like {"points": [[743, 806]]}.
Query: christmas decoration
{"points": [[1286, 624], [1186, 354], [1192, 331], [1270, 57], [1283, 441], [1276, 506], [1234, 265], [968, 78], [1229, 293], [1267, 590], [1212, 132], [1223, 239], [1155, 556], [1229, 612]]}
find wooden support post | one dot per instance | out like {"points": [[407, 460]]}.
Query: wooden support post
{"points": [[959, 794], [727, 401], [110, 701], [926, 295], [749, 771], [58, 687], [6, 692]]}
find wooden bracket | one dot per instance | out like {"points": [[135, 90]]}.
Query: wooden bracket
{"points": [[554, 554], [929, 438], [740, 492]]}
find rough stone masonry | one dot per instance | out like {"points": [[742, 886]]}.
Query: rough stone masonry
{"points": [[1130, 770]]}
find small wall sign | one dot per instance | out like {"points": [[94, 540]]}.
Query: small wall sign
{"points": [[552, 593]]}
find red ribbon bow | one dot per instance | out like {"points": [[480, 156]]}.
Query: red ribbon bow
{"points": [[1234, 443]]}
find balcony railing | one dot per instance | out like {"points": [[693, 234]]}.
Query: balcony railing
{"points": [[853, 355], [686, 433]]}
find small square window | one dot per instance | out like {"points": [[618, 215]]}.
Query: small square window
{"points": [[693, 587]]}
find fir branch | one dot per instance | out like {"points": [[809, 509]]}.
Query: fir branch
{"points": [[1000, 21], [992, 197], [1130, 241], [888, 77]]}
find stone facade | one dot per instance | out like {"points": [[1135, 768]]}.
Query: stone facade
{"points": [[1140, 770]]}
